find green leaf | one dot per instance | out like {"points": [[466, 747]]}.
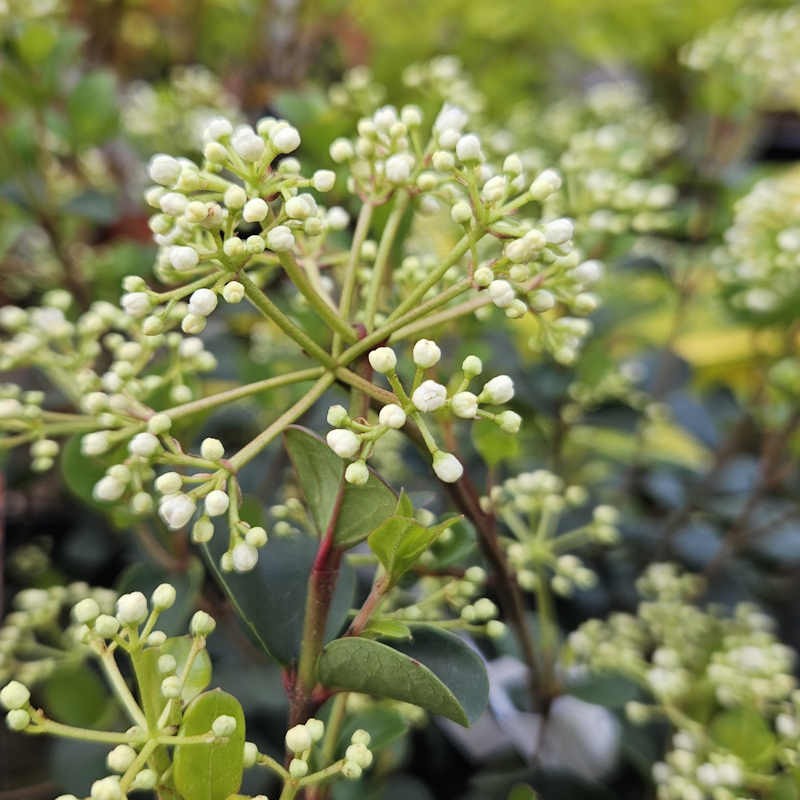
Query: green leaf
{"points": [[522, 792], [92, 109], [746, 734], [386, 629], [784, 788], [271, 599], [493, 444], [36, 41], [404, 508], [453, 548], [75, 695], [149, 678], [321, 473], [398, 542], [609, 690], [435, 671], [210, 771]]}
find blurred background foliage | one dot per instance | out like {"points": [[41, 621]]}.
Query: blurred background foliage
{"points": [[681, 411]]}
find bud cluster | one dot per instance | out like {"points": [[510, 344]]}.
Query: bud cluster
{"points": [[531, 506], [355, 439]]}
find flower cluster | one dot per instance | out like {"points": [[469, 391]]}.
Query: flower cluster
{"points": [[706, 673], [531, 505], [300, 741], [760, 262], [354, 439], [136, 760], [751, 60], [177, 110], [33, 643]]}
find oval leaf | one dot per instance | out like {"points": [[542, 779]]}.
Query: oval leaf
{"points": [[435, 671], [320, 473], [271, 600], [210, 771]]}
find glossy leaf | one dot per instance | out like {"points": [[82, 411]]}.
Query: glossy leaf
{"points": [[436, 671], [75, 695], [492, 443], [386, 629], [210, 771], [384, 725], [271, 599], [320, 473], [398, 542], [746, 734], [92, 109]]}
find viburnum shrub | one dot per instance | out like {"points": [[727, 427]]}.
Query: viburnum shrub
{"points": [[377, 527]]}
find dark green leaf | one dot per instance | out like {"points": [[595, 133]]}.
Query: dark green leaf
{"points": [[398, 542], [210, 771], [384, 725], [435, 671], [92, 109], [321, 473], [746, 734], [75, 695], [271, 599], [612, 691]]}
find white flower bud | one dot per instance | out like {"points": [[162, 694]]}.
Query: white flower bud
{"points": [[14, 695], [212, 449], [183, 258], [256, 537], [255, 210], [216, 503], [171, 687], [280, 239], [18, 719], [468, 148], [120, 758], [392, 416], [464, 405], [298, 768], [86, 611], [202, 302], [559, 231], [218, 128], [382, 359], [163, 596], [502, 293], [351, 770], [429, 396], [398, 167], [136, 304], [356, 473], [341, 150], [588, 272], [159, 423], [168, 483], [247, 145], [343, 442], [509, 421], [235, 197], [93, 444], [426, 353], [234, 247], [298, 739], [223, 726], [337, 416], [106, 626], [244, 557], [202, 530], [164, 169], [233, 292], [173, 203], [202, 624], [443, 161], [131, 608], [144, 445], [542, 300], [472, 366], [323, 180], [498, 390], [461, 213], [285, 139], [250, 755], [358, 754], [545, 184], [108, 489], [176, 510]]}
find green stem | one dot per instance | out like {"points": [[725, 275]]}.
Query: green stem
{"points": [[349, 286], [382, 257], [318, 303], [253, 448], [260, 300], [121, 689], [228, 396], [379, 588], [422, 325], [334, 726], [52, 728]]}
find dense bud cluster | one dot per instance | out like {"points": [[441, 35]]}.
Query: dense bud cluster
{"points": [[752, 59], [531, 506], [760, 262], [691, 661]]}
